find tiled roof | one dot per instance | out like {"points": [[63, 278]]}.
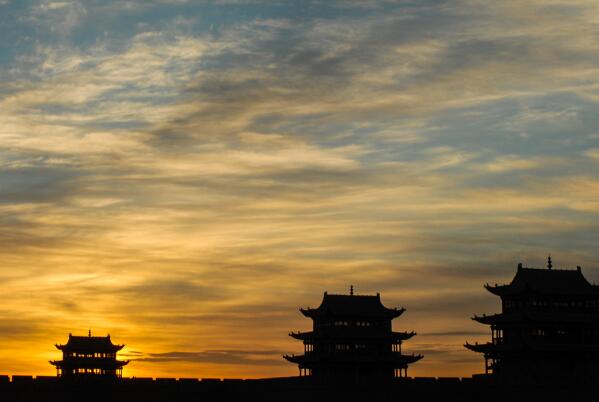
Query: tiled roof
{"points": [[90, 344], [546, 281], [365, 306]]}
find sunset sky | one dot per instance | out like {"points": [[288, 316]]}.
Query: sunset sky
{"points": [[185, 175]]}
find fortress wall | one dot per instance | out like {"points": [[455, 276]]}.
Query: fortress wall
{"points": [[290, 389]]}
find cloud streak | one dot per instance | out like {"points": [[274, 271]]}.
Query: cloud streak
{"points": [[230, 357], [190, 173]]}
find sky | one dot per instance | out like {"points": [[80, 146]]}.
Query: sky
{"points": [[184, 175]]}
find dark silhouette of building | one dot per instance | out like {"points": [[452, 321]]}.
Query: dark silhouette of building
{"points": [[89, 356], [352, 339], [548, 329]]}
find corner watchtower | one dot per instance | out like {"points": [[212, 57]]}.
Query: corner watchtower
{"points": [[548, 329]]}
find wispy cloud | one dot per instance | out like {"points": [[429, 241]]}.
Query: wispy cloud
{"points": [[230, 357], [177, 173]]}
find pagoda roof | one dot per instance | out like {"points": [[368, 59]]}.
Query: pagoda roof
{"points": [[90, 363], [522, 316], [351, 333], [552, 348], [493, 348], [546, 281], [90, 344], [570, 348], [394, 358], [346, 306]]}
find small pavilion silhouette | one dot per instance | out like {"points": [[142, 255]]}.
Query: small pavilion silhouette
{"points": [[89, 356]]}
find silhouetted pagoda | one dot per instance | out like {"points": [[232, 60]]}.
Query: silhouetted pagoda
{"points": [[89, 356], [548, 329], [352, 339]]}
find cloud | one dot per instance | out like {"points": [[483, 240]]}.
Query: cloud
{"points": [[176, 172], [260, 357], [17, 328], [592, 153], [456, 333], [57, 17]]}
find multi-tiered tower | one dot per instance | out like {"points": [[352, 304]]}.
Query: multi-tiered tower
{"points": [[352, 339], [548, 329], [89, 356]]}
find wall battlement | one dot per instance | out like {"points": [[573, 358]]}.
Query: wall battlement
{"points": [[30, 379], [288, 389]]}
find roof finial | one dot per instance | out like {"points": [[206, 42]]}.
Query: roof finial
{"points": [[351, 290], [549, 265], [89, 333]]}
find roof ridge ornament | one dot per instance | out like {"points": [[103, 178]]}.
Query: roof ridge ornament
{"points": [[351, 290], [549, 264], [89, 333]]}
